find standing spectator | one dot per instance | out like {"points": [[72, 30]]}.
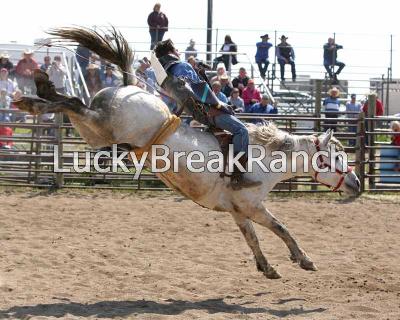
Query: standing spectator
{"points": [[378, 107], [332, 105], [236, 101], [109, 78], [5, 62], [158, 25], [47, 62], [330, 59], [226, 86], [6, 83], [285, 54], [92, 79], [216, 87], [57, 74], [24, 72], [353, 106], [262, 56], [251, 95], [241, 80], [395, 125], [83, 57], [227, 59], [190, 50], [263, 107]]}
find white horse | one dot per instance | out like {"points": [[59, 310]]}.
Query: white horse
{"points": [[130, 115]]}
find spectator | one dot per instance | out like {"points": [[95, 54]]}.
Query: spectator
{"points": [[262, 56], [144, 73], [395, 125], [236, 101], [241, 80], [353, 106], [226, 86], [24, 72], [5, 62], [16, 116], [5, 103], [216, 87], [158, 25], [251, 95], [330, 59], [92, 79], [57, 74], [378, 106], [6, 83], [285, 55], [109, 78], [83, 57], [190, 50], [227, 59], [263, 107], [220, 71], [332, 105], [47, 62]]}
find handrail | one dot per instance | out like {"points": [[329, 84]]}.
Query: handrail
{"points": [[69, 78]]}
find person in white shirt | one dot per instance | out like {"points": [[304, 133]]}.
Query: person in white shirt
{"points": [[57, 74]]}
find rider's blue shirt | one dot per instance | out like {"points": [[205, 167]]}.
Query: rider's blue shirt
{"points": [[185, 70]]}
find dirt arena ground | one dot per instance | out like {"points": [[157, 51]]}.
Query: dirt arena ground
{"points": [[108, 255]]}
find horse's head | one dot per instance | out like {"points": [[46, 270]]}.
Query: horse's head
{"points": [[330, 165]]}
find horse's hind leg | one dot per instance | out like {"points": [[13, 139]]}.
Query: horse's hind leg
{"points": [[249, 234], [262, 216]]}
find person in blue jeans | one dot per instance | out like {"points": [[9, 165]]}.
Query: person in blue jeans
{"points": [[200, 101], [262, 56], [330, 59]]}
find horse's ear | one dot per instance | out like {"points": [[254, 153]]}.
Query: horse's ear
{"points": [[328, 137]]}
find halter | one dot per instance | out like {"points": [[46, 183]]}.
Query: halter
{"points": [[322, 164]]}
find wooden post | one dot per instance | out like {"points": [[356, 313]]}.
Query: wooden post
{"points": [[58, 135], [318, 105], [360, 150], [371, 139]]}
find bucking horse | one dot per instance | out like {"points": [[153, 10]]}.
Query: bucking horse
{"points": [[128, 115]]}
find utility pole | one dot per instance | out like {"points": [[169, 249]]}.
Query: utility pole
{"points": [[209, 29]]}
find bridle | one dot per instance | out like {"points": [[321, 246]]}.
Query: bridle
{"points": [[322, 164]]}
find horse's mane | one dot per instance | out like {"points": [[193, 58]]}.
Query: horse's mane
{"points": [[270, 136]]}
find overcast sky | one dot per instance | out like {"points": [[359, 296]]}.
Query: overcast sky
{"points": [[358, 24]]}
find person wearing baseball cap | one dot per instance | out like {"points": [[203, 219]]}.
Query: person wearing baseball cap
{"points": [[5, 82], [262, 56], [285, 55]]}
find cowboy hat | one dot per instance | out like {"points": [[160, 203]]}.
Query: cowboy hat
{"points": [[265, 36], [283, 37], [4, 54], [28, 51], [334, 92], [92, 66]]}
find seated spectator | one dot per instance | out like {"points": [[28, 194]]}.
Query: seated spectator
{"points": [[353, 106], [285, 55], [262, 56], [57, 74], [109, 78], [332, 105], [330, 59], [6, 132], [251, 95], [92, 78], [226, 86], [24, 72], [5, 62], [395, 125], [263, 107], [227, 59], [6, 83], [16, 116], [220, 71], [216, 87], [236, 101], [378, 107], [5, 103], [190, 50], [146, 74], [241, 80], [47, 62]]}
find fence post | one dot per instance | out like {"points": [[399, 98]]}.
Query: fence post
{"points": [[360, 150], [58, 133], [318, 105], [371, 139]]}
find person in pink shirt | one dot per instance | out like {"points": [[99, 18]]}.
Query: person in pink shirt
{"points": [[24, 72], [251, 95]]}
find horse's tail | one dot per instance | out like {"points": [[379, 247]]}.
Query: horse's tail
{"points": [[112, 46]]}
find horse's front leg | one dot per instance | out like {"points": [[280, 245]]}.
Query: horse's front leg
{"points": [[264, 217], [249, 234]]}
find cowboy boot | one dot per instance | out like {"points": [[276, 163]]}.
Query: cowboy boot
{"points": [[238, 179]]}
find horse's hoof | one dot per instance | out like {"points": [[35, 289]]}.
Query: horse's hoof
{"points": [[271, 273], [307, 264]]}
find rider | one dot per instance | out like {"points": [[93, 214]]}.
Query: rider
{"points": [[206, 109]]}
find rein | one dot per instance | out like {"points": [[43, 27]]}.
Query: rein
{"points": [[322, 164]]}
